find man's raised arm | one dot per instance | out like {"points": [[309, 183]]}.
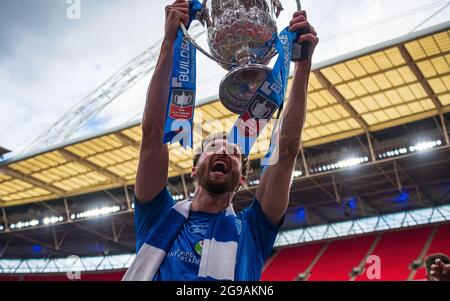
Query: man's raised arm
{"points": [[273, 188], [153, 164]]}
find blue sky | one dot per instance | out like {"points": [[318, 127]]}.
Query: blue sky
{"points": [[48, 63]]}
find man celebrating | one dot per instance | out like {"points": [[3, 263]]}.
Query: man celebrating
{"points": [[202, 238]]}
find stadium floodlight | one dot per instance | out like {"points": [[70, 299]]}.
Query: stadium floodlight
{"points": [[253, 182], [97, 212], [426, 145], [352, 162], [178, 197], [297, 173], [132, 205], [24, 224], [2, 228], [53, 220], [393, 153]]}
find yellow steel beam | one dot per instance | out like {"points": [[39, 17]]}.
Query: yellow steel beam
{"points": [[33, 181], [127, 140], [422, 80], [400, 121], [341, 100], [71, 157], [383, 71], [135, 144]]}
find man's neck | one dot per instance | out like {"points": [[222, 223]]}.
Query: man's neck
{"points": [[205, 201]]}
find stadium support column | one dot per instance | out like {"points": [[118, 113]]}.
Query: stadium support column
{"points": [[113, 197], [5, 219], [113, 229], [397, 177], [305, 165], [336, 192], [59, 242], [369, 141], [127, 197], [66, 207], [183, 181], [444, 129], [5, 247]]}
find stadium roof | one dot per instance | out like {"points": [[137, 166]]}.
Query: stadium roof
{"points": [[393, 83]]}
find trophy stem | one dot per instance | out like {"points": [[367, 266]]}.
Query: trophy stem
{"points": [[245, 60], [245, 57]]}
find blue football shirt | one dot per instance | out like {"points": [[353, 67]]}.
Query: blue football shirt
{"points": [[256, 238]]}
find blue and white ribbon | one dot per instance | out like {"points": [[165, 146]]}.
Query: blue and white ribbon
{"points": [[268, 98], [180, 106]]}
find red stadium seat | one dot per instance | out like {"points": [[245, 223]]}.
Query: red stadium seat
{"points": [[107, 276], [289, 262], [43, 277], [9, 278], [340, 258], [397, 250]]}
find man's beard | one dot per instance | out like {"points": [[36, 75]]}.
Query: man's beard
{"points": [[230, 184]]}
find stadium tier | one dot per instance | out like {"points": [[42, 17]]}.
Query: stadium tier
{"points": [[335, 260], [397, 250], [332, 260], [341, 255], [290, 262]]}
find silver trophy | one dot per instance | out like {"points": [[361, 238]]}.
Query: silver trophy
{"points": [[241, 38]]}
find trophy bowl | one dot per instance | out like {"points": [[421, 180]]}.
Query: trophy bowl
{"points": [[241, 36]]}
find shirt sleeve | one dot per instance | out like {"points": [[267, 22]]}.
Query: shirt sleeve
{"points": [[263, 231], [146, 215]]}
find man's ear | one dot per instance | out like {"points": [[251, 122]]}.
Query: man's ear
{"points": [[243, 181]]}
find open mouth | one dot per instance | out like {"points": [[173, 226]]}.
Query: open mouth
{"points": [[219, 165]]}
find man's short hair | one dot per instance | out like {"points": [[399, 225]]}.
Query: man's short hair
{"points": [[222, 135], [432, 258]]}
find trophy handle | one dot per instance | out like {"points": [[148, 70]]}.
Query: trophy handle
{"points": [[199, 48], [301, 51]]}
